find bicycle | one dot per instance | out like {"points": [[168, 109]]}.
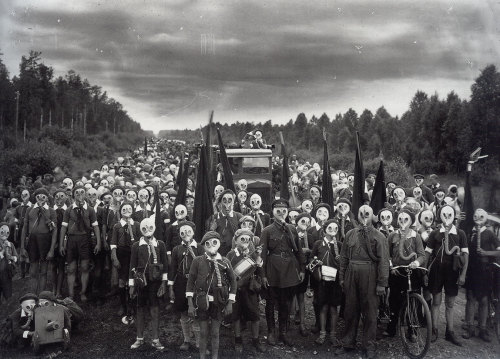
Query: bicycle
{"points": [[414, 320]]}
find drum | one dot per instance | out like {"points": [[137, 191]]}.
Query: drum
{"points": [[243, 266]]}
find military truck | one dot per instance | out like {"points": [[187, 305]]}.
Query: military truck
{"points": [[255, 166]]}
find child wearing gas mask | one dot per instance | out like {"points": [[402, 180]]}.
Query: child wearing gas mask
{"points": [[181, 259], [484, 250], [23, 320], [211, 291], [405, 248], [148, 280], [450, 256], [246, 264], [8, 260], [125, 233], [328, 293]]}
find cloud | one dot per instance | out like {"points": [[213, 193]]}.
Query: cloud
{"points": [[171, 62]]}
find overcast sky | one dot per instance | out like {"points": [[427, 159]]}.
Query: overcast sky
{"points": [[170, 62]]}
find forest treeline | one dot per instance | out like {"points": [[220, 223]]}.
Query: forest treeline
{"points": [[63, 121], [434, 135]]}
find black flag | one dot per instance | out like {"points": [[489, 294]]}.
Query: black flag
{"points": [[181, 191], [202, 201], [160, 227], [327, 190], [179, 173], [228, 175], [468, 223], [379, 195], [285, 172], [358, 190], [145, 146]]}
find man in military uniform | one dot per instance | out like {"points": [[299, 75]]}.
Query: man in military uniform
{"points": [[284, 265], [364, 272]]}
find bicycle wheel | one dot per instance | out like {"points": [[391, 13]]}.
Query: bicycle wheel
{"points": [[415, 326]]}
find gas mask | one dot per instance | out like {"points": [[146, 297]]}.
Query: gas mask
{"points": [[190, 184], [87, 185], [242, 184], [399, 194], [404, 221], [126, 211], [307, 206], [292, 215], [104, 183], [417, 193], [303, 224], [79, 183], [172, 198], [242, 242], [104, 169], [79, 195], [131, 196], [143, 196], [258, 135], [155, 181], [25, 196], [41, 199], [218, 191], [341, 175], [385, 218], [186, 233], [180, 212], [68, 183], [107, 199], [480, 217], [255, 202], [60, 199], [447, 215], [365, 215], [350, 179], [92, 196], [322, 214], [280, 213], [419, 181], [247, 225], [147, 227], [212, 246], [120, 160], [343, 208], [314, 192], [118, 195], [426, 218], [439, 196], [28, 305], [190, 204], [164, 198], [111, 181], [227, 202], [242, 196], [332, 229], [150, 190], [4, 232]]}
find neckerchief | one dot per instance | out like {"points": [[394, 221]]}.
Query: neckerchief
{"points": [[217, 270]]}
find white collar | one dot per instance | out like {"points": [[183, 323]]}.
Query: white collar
{"points": [[139, 208], [193, 244], [64, 207], [29, 204], [76, 206], [346, 218], [411, 233], [23, 313], [453, 229], [482, 229], [124, 222], [154, 242], [218, 257], [45, 206], [326, 242]]}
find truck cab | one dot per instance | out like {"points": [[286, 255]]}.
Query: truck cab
{"points": [[255, 166]]}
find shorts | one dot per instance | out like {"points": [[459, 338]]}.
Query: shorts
{"points": [[215, 312], [246, 307], [442, 276], [148, 295], [39, 246], [180, 300], [301, 288], [77, 247]]}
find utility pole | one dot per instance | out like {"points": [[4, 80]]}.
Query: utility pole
{"points": [[17, 112], [41, 118], [24, 131], [85, 120]]}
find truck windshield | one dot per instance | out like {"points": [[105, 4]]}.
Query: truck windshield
{"points": [[249, 165]]}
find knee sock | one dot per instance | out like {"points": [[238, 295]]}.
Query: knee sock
{"points": [[196, 331], [185, 329]]}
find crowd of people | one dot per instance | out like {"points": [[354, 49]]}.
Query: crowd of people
{"points": [[94, 236]]}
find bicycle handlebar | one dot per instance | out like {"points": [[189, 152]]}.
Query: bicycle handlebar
{"points": [[408, 267]]}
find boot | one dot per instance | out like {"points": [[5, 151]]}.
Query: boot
{"points": [[450, 336], [258, 347], [303, 330], [321, 339], [484, 335], [285, 339], [468, 331], [238, 345], [196, 331], [123, 301], [271, 338], [185, 333]]}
